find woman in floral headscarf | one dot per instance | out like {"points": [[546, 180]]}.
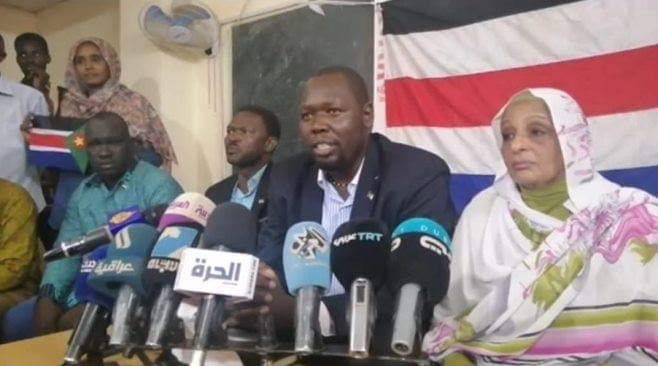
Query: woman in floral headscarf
{"points": [[553, 264], [92, 81]]}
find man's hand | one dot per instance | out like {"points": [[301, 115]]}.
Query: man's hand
{"points": [[269, 298], [46, 316], [25, 129], [40, 80]]}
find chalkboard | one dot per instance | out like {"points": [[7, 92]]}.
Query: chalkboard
{"points": [[274, 55]]}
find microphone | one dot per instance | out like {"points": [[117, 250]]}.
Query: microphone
{"points": [[180, 228], [308, 274], [120, 276], [104, 234], [231, 228], [95, 314], [358, 258], [419, 272]]}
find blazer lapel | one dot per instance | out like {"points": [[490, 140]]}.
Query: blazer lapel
{"points": [[260, 201], [312, 196], [367, 189]]}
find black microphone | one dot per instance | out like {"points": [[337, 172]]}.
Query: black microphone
{"points": [[231, 227], [95, 316], [419, 272], [359, 258], [104, 234], [119, 276]]}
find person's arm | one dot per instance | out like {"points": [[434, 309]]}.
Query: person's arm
{"points": [[430, 198], [18, 240], [38, 105], [273, 232], [164, 191], [59, 275], [270, 296]]}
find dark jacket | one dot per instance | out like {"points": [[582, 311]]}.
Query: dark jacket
{"points": [[221, 192], [397, 182]]}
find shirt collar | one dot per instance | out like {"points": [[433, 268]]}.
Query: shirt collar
{"points": [[5, 86], [322, 178], [252, 183]]}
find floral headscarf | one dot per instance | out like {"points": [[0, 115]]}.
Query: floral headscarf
{"points": [[142, 119], [512, 302]]}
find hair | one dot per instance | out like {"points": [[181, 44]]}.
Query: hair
{"points": [[270, 120], [2, 41], [31, 37], [112, 118], [354, 81]]}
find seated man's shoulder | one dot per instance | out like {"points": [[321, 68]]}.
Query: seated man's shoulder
{"points": [[412, 159], [24, 92], [13, 193], [157, 185], [215, 191]]}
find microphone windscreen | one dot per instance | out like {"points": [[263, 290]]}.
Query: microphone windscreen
{"points": [[163, 264], [420, 253], [306, 257], [125, 261], [360, 249], [83, 291], [189, 208], [232, 226], [153, 214], [123, 218]]}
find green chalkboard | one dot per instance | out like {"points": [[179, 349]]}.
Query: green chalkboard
{"points": [[274, 55]]}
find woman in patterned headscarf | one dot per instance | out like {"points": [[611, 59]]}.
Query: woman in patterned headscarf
{"points": [[553, 264], [92, 80]]}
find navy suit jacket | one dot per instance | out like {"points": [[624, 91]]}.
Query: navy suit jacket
{"points": [[397, 182]]}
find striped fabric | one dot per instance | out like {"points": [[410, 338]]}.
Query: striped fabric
{"points": [[447, 66], [590, 330]]}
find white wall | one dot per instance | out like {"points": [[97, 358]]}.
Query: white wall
{"points": [[188, 92], [12, 23], [64, 23]]}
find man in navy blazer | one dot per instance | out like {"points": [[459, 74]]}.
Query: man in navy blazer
{"points": [[382, 179], [251, 138]]}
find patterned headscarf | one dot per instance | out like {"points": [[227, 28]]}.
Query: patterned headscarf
{"points": [[506, 310], [143, 121]]}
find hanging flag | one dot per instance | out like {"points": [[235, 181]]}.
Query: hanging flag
{"points": [[450, 65], [63, 150]]}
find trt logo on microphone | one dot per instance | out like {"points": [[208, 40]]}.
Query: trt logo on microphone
{"points": [[217, 272], [307, 245]]}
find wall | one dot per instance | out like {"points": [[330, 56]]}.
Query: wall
{"points": [[188, 92], [12, 23], [61, 25], [64, 23]]}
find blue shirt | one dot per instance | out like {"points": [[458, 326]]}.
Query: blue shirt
{"points": [[247, 199], [90, 207], [336, 211], [17, 102]]}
